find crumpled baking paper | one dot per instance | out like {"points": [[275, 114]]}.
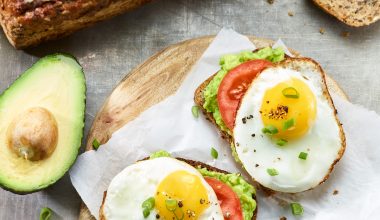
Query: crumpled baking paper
{"points": [[170, 125]]}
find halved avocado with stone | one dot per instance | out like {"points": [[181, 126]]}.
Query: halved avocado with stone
{"points": [[41, 124]]}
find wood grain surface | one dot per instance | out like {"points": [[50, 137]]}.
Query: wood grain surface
{"points": [[150, 83]]}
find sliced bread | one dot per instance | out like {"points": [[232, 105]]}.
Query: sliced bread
{"points": [[354, 13]]}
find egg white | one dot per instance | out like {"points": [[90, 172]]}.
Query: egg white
{"points": [[322, 142], [131, 187]]}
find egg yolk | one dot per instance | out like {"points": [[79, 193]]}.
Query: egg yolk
{"points": [[290, 107], [181, 195]]}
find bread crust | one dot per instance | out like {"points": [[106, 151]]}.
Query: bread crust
{"points": [[288, 62], [30, 22], [196, 164], [352, 12]]}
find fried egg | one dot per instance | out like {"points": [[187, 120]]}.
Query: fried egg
{"points": [[286, 132], [167, 180]]}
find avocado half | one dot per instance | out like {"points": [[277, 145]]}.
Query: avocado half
{"points": [[41, 124]]}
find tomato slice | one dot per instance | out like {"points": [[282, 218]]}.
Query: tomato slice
{"points": [[233, 87], [228, 199]]}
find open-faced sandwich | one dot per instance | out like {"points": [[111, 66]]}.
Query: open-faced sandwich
{"points": [[278, 116], [162, 187]]}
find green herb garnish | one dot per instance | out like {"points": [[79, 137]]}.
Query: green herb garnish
{"points": [[195, 111], [95, 144], [272, 172], [146, 213], [45, 213], [302, 155], [147, 206], [270, 129], [149, 203], [288, 124], [281, 142], [290, 92], [214, 153], [297, 208], [171, 204]]}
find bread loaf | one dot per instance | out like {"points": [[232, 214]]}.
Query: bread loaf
{"points": [[30, 22]]}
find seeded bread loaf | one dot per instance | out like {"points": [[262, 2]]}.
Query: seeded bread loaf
{"points": [[355, 13], [30, 22]]}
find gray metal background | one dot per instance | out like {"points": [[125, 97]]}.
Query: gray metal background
{"points": [[109, 50]]}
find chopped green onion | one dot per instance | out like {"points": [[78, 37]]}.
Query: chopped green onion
{"points": [[290, 92], [281, 142], [297, 208], [147, 206], [148, 203], [270, 129], [95, 144], [195, 111], [214, 153], [45, 213], [146, 213], [303, 155], [288, 124], [272, 172], [171, 204]]}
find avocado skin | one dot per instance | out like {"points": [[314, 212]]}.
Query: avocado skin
{"points": [[55, 56]]}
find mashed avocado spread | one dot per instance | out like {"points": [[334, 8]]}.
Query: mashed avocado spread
{"points": [[243, 190], [160, 153], [228, 62]]}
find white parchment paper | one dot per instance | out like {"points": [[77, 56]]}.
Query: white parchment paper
{"points": [[170, 125]]}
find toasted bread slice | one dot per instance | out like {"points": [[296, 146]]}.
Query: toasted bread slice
{"points": [[200, 100], [355, 13], [193, 163], [291, 63]]}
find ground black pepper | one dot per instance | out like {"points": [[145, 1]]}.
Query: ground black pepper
{"points": [[244, 120]]}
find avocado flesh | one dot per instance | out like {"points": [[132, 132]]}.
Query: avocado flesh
{"points": [[56, 83]]}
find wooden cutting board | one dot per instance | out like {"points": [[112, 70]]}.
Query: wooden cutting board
{"points": [[150, 83]]}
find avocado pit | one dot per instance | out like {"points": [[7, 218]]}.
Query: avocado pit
{"points": [[33, 135]]}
